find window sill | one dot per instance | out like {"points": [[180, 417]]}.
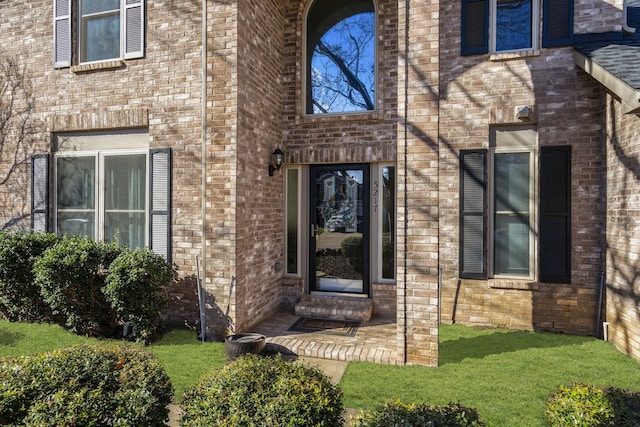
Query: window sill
{"points": [[97, 66], [522, 285], [505, 56], [337, 117]]}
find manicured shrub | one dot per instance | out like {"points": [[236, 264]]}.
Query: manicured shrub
{"points": [[134, 288], [580, 405], [419, 415], [84, 385], [263, 391], [352, 251], [20, 298], [71, 276], [590, 406]]}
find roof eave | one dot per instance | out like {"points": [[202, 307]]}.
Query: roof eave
{"points": [[629, 97]]}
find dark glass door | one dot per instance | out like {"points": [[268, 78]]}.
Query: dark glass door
{"points": [[339, 244]]}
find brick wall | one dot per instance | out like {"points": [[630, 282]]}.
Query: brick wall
{"points": [[418, 181], [476, 93], [160, 92], [623, 228], [260, 203], [597, 16]]}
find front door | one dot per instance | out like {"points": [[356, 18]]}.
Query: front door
{"points": [[339, 244]]}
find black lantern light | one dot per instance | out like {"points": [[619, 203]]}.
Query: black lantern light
{"points": [[276, 161]]}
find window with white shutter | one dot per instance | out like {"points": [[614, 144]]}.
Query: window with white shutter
{"points": [[87, 31]]}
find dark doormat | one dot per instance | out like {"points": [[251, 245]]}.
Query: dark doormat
{"points": [[325, 326]]}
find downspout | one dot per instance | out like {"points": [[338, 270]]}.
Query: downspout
{"points": [[406, 168], [204, 165], [625, 23]]}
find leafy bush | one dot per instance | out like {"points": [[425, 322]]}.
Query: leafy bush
{"points": [[84, 385], [580, 405], [134, 289], [263, 391], [352, 250], [20, 298], [590, 406], [71, 276], [419, 415]]}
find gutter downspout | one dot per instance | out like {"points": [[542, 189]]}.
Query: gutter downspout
{"points": [[625, 20], [406, 168], [204, 163]]}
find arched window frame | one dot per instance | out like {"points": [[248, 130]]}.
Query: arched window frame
{"points": [[307, 52]]}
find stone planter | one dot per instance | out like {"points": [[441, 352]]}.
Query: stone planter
{"points": [[238, 344]]}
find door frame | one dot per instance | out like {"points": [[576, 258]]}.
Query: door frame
{"points": [[366, 224]]}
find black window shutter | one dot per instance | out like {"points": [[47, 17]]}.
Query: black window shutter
{"points": [[40, 192], [557, 23], [555, 214], [473, 214], [475, 27], [160, 202]]}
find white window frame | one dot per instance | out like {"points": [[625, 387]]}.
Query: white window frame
{"points": [[376, 208], [300, 212], [536, 24], [515, 146], [99, 157], [80, 31]]}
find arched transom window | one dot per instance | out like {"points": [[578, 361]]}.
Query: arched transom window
{"points": [[340, 62]]}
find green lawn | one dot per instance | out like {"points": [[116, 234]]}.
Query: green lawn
{"points": [[506, 375]]}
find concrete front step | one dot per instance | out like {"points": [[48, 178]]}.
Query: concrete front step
{"points": [[335, 307]]}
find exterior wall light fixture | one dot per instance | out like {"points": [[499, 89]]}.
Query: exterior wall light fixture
{"points": [[277, 157]]}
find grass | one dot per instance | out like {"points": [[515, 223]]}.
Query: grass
{"points": [[184, 358], [507, 375]]}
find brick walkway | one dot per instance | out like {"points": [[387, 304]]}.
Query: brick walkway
{"points": [[374, 341]]}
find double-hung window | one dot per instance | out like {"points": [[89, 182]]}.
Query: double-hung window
{"points": [[506, 212], [512, 25], [106, 30], [104, 190]]}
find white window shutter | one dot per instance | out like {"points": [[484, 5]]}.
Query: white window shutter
{"points": [[133, 29], [160, 202], [61, 33], [40, 192]]}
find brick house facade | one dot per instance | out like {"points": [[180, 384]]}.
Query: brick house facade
{"points": [[448, 99]]}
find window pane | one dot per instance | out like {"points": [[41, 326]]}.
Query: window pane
{"points": [[512, 182], [512, 245], [95, 6], [292, 221], [513, 24], [75, 197], [343, 66], [512, 212], [100, 37], [388, 222], [125, 199]]}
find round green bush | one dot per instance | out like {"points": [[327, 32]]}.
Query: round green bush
{"points": [[134, 288], [263, 391], [419, 415], [84, 385], [581, 405], [71, 276], [20, 298]]}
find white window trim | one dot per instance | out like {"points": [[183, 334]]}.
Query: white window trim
{"points": [[377, 210], [533, 210], [536, 24], [301, 236], [99, 187]]}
